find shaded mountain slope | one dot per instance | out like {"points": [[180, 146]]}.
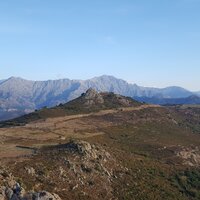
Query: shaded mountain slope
{"points": [[170, 101]]}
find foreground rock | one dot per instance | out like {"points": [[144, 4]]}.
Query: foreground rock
{"points": [[12, 190]]}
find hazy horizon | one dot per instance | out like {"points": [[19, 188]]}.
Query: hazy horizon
{"points": [[150, 43]]}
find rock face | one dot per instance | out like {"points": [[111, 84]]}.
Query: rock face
{"points": [[12, 190], [92, 97]]}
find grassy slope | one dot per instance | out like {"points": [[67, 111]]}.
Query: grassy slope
{"points": [[148, 148], [145, 141]]}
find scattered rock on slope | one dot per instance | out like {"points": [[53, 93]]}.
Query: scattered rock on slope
{"points": [[10, 189], [190, 156], [69, 170]]}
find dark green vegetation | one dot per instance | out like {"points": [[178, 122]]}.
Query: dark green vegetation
{"points": [[188, 182]]}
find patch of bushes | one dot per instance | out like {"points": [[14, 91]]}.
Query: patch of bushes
{"points": [[188, 182]]}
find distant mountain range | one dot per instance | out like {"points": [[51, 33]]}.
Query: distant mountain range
{"points": [[19, 96], [197, 93], [170, 101]]}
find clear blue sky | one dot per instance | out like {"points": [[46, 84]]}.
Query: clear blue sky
{"points": [[148, 42]]}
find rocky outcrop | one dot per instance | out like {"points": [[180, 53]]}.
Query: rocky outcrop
{"points": [[190, 156], [10, 189], [86, 149], [92, 97]]}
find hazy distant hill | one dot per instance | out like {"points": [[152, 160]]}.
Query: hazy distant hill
{"points": [[19, 96], [197, 93]]}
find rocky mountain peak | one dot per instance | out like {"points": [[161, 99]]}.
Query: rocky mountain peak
{"points": [[91, 93], [92, 97]]}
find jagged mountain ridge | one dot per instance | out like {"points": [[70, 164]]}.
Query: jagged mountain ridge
{"points": [[18, 95]]}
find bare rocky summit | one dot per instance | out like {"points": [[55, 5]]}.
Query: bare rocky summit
{"points": [[106, 99], [92, 97]]}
